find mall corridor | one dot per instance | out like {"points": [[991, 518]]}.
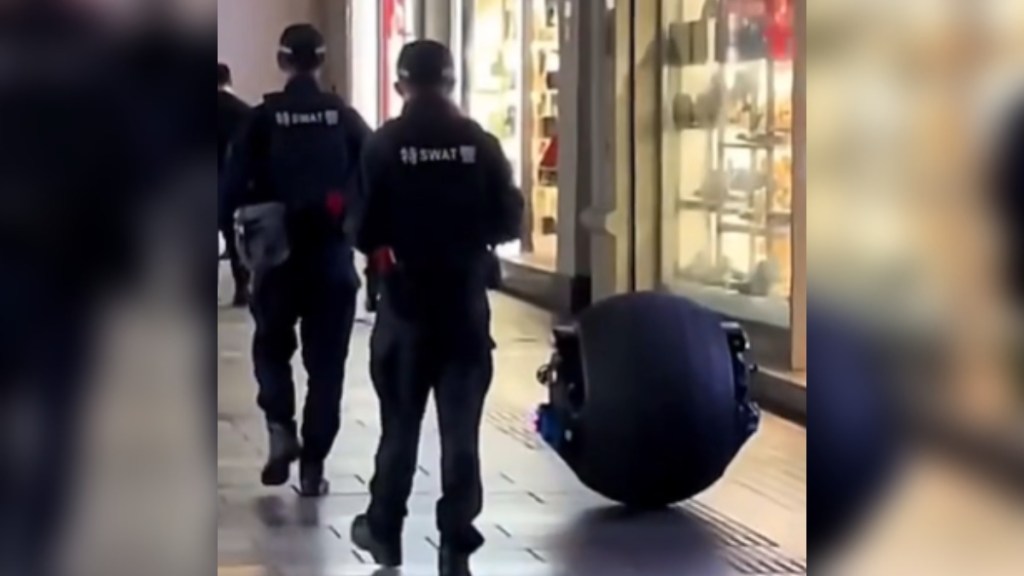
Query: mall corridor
{"points": [[539, 520]]}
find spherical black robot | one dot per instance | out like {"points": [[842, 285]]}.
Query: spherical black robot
{"points": [[649, 398]]}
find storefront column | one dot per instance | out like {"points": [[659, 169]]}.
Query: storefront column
{"points": [[435, 20], [527, 168], [647, 156], [571, 131], [585, 99], [798, 299], [608, 217], [335, 19]]}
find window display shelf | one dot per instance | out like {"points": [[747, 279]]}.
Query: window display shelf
{"points": [[728, 81], [546, 63], [511, 89], [494, 73]]}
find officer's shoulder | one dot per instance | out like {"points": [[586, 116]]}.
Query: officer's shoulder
{"points": [[479, 133], [349, 114], [259, 115], [271, 98], [338, 102], [263, 109], [388, 130]]}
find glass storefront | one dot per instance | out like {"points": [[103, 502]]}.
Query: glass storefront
{"points": [[545, 63], [510, 85], [493, 72], [726, 184], [397, 28]]}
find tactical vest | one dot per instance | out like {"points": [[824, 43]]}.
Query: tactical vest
{"points": [[312, 170]]}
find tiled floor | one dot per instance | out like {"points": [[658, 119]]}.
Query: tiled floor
{"points": [[538, 519]]}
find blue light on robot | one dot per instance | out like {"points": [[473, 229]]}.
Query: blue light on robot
{"points": [[549, 426]]}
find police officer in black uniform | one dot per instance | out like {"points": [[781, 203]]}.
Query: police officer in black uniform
{"points": [[440, 193], [232, 112], [301, 153]]}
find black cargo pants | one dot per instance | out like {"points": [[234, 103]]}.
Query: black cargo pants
{"points": [[315, 292], [406, 366]]}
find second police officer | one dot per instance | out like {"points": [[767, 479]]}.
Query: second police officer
{"points": [[440, 193], [300, 154]]}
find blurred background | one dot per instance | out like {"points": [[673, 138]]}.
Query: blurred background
{"points": [[845, 173]]}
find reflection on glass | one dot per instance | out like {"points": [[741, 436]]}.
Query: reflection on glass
{"points": [[398, 29], [495, 74], [494, 79], [526, 123], [545, 61], [727, 169]]}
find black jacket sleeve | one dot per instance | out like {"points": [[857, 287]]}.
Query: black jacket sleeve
{"points": [[505, 201], [232, 114], [374, 227], [247, 155]]}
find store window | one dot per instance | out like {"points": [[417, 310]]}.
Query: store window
{"points": [[511, 63], [494, 72], [397, 23], [727, 155], [493, 78], [542, 229]]}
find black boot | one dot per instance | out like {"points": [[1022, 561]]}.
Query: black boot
{"points": [[312, 483], [452, 562], [387, 554], [284, 451]]}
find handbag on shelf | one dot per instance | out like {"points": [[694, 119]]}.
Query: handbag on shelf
{"points": [[547, 170], [549, 126], [747, 180], [551, 13], [551, 80], [690, 113], [706, 109], [751, 42], [677, 45], [687, 43], [548, 226], [715, 189], [683, 115]]}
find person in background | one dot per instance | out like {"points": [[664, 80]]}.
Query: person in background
{"points": [[298, 160], [440, 194], [232, 113]]}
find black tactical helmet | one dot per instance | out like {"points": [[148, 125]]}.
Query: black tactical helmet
{"points": [[302, 47], [426, 63]]}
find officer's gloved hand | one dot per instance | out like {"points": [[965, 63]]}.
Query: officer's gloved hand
{"points": [[379, 265], [493, 271]]}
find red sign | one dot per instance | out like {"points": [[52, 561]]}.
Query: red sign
{"points": [[549, 159], [776, 17], [780, 30]]}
